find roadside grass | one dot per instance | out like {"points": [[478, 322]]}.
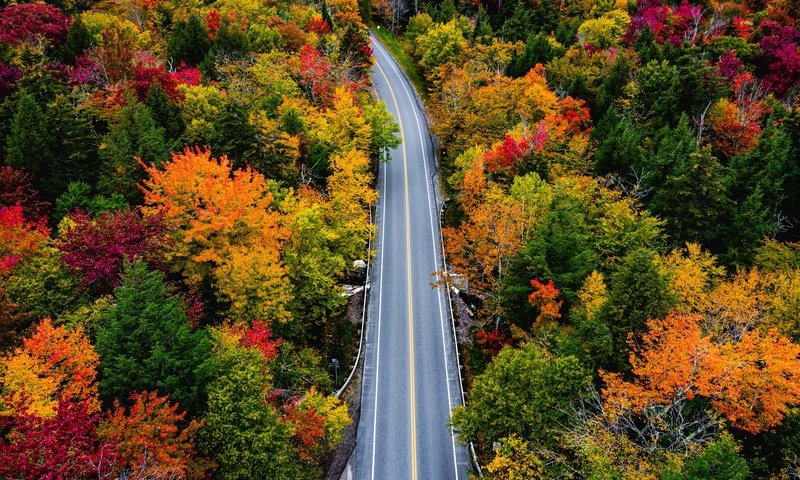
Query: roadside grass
{"points": [[397, 46]]}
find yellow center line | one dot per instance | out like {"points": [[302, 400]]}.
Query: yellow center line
{"points": [[408, 279]]}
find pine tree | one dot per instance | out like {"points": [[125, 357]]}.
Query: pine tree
{"points": [[145, 343], [638, 292], [79, 39], [164, 112], [189, 41], [243, 433], [136, 135], [29, 145], [75, 146]]}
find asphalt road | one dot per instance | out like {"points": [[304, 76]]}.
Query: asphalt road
{"points": [[410, 380]]}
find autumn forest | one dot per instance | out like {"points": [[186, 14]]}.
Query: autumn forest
{"points": [[186, 185]]}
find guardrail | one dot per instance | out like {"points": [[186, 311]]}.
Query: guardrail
{"points": [[341, 390]]}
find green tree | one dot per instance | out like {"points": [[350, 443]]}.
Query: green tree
{"points": [[719, 460], [638, 292], [79, 196], [135, 135], [145, 343], [243, 432], [693, 200], [42, 286], [75, 145], [657, 97], [538, 49], [620, 145], [30, 144], [166, 114], [523, 391], [189, 41]]}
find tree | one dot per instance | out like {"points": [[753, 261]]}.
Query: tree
{"points": [[64, 446], [719, 460], [693, 200], [350, 197], [20, 238], [30, 144], [16, 187], [243, 433], [42, 286], [520, 393], [151, 438], [75, 145], [165, 113], [51, 366], [29, 22], [145, 343], [224, 230], [96, 249], [638, 292], [442, 43], [752, 382], [135, 136], [189, 41]]}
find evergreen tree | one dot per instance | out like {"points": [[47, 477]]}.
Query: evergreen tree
{"points": [[611, 87], [145, 343], [620, 147], [165, 113], [444, 12], [234, 136], [30, 144], [693, 200], [538, 49], [75, 145], [518, 25], [136, 135], [638, 292], [79, 39], [189, 41]]}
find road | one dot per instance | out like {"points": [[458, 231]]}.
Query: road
{"points": [[411, 380]]}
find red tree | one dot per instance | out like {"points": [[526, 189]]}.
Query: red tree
{"points": [[16, 188], [65, 446], [97, 249], [28, 22]]}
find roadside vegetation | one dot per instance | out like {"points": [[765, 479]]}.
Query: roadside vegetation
{"points": [[184, 187]]}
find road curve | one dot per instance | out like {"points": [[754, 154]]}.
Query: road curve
{"points": [[411, 380]]}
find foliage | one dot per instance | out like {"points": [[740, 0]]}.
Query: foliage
{"points": [[145, 343], [519, 393], [150, 436], [224, 229], [53, 365], [64, 446], [243, 433], [96, 249]]}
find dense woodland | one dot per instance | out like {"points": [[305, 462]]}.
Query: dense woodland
{"points": [[626, 209], [184, 187]]}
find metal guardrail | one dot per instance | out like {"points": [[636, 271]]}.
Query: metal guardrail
{"points": [[367, 284]]}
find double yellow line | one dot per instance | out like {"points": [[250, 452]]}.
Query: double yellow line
{"points": [[408, 279]]}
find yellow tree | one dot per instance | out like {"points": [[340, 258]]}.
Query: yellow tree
{"points": [[225, 229], [51, 364], [349, 196]]}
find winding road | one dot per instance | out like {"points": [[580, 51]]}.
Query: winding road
{"points": [[411, 378]]}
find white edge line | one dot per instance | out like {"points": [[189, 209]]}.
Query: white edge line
{"points": [[423, 144], [382, 201]]}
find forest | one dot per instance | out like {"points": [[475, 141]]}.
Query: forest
{"points": [[624, 181], [184, 189]]}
